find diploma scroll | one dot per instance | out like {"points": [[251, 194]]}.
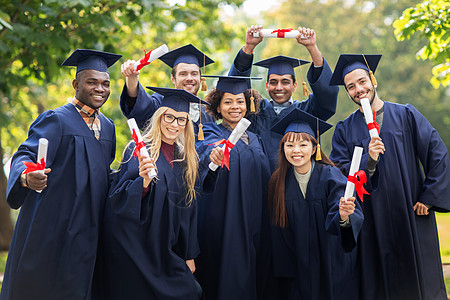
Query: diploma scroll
{"points": [[234, 137], [368, 115], [151, 56], [279, 33], [42, 154], [140, 146], [354, 166]]}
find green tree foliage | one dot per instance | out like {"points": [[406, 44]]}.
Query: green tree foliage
{"points": [[37, 35], [362, 27], [431, 20]]}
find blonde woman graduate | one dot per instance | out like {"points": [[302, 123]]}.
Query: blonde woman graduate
{"points": [[149, 240], [314, 228], [233, 217]]}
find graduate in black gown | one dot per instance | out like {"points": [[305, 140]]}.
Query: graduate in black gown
{"points": [[186, 63], [54, 245], [408, 175], [314, 228], [150, 225], [233, 220]]}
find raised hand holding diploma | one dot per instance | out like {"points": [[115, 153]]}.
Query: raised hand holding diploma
{"points": [[151, 56], [373, 126], [38, 177], [355, 177], [228, 144], [141, 149]]}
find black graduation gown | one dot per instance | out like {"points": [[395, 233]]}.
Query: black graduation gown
{"points": [[320, 103], [233, 225], [146, 241], [147, 104], [314, 255], [399, 250], [53, 250]]}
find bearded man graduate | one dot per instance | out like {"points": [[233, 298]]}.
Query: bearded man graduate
{"points": [[281, 83], [54, 246], [408, 175], [185, 62]]}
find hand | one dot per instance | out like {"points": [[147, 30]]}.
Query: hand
{"points": [[421, 209], [376, 147], [132, 77], [250, 41], [128, 70], [346, 207], [216, 155], [36, 180], [146, 164], [309, 37], [191, 264]]}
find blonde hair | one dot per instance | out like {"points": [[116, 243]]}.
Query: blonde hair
{"points": [[186, 148]]}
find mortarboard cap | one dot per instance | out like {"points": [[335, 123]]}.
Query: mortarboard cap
{"points": [[233, 84], [300, 121], [91, 59], [187, 54], [281, 65], [350, 62], [177, 99]]}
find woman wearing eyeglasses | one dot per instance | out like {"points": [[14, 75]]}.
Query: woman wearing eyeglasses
{"points": [[233, 222], [150, 239]]}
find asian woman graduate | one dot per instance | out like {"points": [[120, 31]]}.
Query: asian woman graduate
{"points": [[233, 215], [150, 225], [314, 229]]}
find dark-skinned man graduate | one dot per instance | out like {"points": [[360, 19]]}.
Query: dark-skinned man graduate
{"points": [[54, 245], [408, 174], [281, 83]]}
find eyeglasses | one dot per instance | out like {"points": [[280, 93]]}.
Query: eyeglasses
{"points": [[182, 121]]}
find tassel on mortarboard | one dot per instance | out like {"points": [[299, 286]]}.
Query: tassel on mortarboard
{"points": [[372, 77], [305, 88], [252, 102], [318, 151], [200, 135], [204, 85]]}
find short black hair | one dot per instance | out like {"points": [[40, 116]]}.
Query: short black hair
{"points": [[293, 78]]}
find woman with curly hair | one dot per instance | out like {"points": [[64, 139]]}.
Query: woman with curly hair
{"points": [[150, 238], [233, 222], [314, 228]]}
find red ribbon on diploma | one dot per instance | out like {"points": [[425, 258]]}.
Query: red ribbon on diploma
{"points": [[139, 145], [374, 124], [359, 179], [280, 32], [144, 61], [226, 153], [31, 166]]}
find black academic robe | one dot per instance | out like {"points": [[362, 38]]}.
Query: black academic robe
{"points": [[233, 225], [398, 250], [147, 104], [320, 103], [314, 256], [146, 241], [54, 246]]}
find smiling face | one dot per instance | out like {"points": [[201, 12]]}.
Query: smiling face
{"points": [[186, 77], [358, 86], [232, 108], [171, 131], [298, 153], [280, 87], [92, 87]]}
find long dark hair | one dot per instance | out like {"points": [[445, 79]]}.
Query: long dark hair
{"points": [[277, 205]]}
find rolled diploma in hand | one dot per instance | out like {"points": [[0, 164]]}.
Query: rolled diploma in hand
{"points": [[368, 115], [42, 154], [143, 152], [155, 54], [273, 33], [354, 166], [234, 137]]}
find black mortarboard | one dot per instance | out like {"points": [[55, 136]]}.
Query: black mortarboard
{"points": [[300, 121], [281, 65], [91, 59], [350, 62], [187, 54], [177, 99], [233, 84]]}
